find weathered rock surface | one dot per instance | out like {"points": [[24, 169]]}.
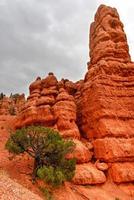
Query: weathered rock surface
{"points": [[50, 104], [20, 167], [100, 107], [122, 172], [10, 189], [107, 37], [101, 166], [81, 152], [106, 191], [88, 174], [105, 99], [128, 189], [11, 105], [114, 149], [107, 92]]}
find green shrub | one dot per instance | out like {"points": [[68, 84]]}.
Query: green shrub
{"points": [[48, 150], [47, 193], [57, 175], [18, 142]]}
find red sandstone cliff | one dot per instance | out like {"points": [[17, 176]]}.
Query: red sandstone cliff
{"points": [[97, 113], [107, 95]]}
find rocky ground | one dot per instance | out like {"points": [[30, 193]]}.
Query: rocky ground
{"points": [[14, 174], [15, 181], [11, 190]]}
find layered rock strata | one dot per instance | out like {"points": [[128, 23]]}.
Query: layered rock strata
{"points": [[107, 96], [51, 103], [100, 107]]}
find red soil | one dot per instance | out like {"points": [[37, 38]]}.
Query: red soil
{"points": [[20, 167]]}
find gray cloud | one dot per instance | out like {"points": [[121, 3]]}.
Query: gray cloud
{"points": [[38, 36]]}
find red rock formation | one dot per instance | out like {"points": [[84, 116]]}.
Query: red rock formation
{"points": [[101, 106], [5, 103], [107, 96], [107, 37], [18, 102], [114, 149], [81, 152], [122, 172], [50, 104], [11, 105], [88, 174]]}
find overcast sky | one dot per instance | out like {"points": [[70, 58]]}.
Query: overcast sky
{"points": [[41, 36]]}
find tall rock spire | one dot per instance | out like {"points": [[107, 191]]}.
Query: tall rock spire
{"points": [[107, 96], [107, 38]]}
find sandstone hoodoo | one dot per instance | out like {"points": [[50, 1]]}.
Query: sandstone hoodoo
{"points": [[107, 95], [11, 105], [97, 113], [50, 104]]}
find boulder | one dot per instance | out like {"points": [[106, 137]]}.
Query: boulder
{"points": [[101, 166], [122, 172], [81, 152], [88, 174], [114, 149]]}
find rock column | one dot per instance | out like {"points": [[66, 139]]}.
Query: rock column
{"points": [[107, 96]]}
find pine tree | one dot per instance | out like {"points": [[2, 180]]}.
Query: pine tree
{"points": [[48, 149]]}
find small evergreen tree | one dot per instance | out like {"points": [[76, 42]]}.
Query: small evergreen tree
{"points": [[48, 149]]}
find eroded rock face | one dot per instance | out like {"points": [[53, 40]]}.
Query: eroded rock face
{"points": [[107, 96], [88, 174], [81, 152], [50, 104], [114, 149], [100, 107], [122, 172], [11, 105], [107, 37], [5, 105]]}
